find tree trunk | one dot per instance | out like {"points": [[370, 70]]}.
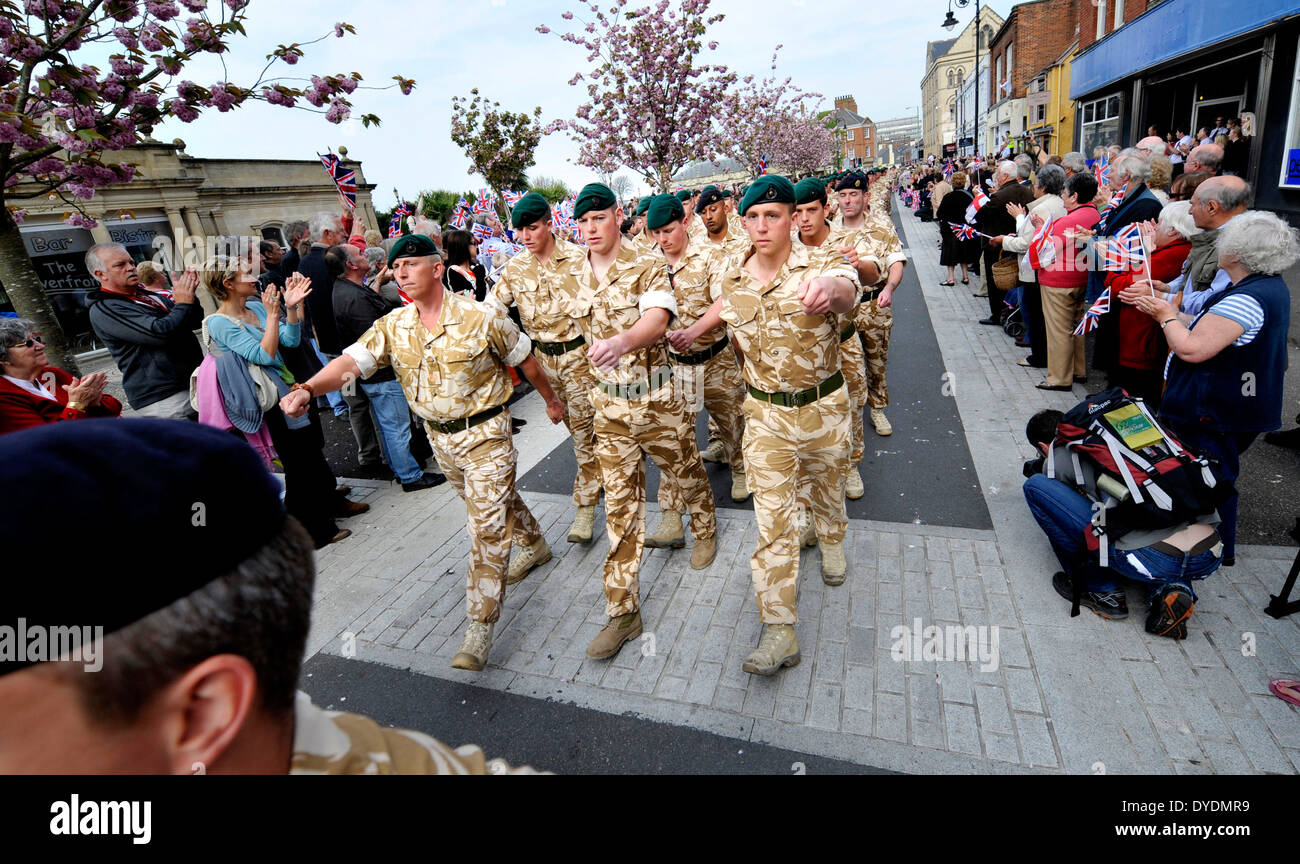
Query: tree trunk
{"points": [[23, 287]]}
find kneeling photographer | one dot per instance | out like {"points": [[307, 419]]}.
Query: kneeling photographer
{"points": [[1117, 496]]}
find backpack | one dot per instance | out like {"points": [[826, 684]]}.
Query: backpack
{"points": [[1138, 476]]}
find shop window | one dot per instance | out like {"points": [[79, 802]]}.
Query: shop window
{"points": [[1101, 123]]}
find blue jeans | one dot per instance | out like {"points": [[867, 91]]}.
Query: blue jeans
{"points": [[1226, 447], [1063, 514], [389, 408], [333, 397]]}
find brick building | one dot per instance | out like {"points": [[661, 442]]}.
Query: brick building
{"points": [[855, 134], [1032, 39]]}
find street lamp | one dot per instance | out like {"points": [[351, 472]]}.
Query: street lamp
{"points": [[951, 22]]}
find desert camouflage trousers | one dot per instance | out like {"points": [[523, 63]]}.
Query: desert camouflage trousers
{"points": [[480, 464], [718, 387], [784, 449], [571, 378], [875, 324], [853, 363], [627, 430]]}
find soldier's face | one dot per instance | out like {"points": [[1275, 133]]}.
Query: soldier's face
{"points": [[536, 236], [809, 218], [600, 229], [851, 202], [715, 217], [418, 277], [769, 226], [671, 237]]}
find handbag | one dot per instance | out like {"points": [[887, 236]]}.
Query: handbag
{"points": [[1006, 273], [268, 396]]}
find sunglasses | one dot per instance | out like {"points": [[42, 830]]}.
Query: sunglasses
{"points": [[33, 341]]}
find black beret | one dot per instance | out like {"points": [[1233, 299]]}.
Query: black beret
{"points": [[162, 507], [412, 246], [768, 189], [808, 190], [709, 196], [662, 210], [594, 196], [530, 208], [852, 180]]}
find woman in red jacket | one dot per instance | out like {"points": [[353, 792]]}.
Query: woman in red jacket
{"points": [[1142, 347], [33, 394], [1063, 284]]}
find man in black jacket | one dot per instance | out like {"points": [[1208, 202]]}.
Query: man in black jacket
{"points": [[994, 220], [150, 337], [356, 308]]}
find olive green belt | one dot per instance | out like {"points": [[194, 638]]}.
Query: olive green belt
{"points": [[701, 357], [803, 397], [451, 427], [641, 388], [555, 349], [848, 331]]}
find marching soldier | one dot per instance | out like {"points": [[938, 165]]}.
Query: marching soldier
{"points": [[541, 282], [785, 305], [623, 306], [815, 231], [718, 226], [450, 355], [642, 242], [875, 317]]}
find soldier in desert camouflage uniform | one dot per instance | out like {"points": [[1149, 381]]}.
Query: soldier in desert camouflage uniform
{"points": [[785, 306], [450, 355], [815, 231], [541, 282], [623, 305]]}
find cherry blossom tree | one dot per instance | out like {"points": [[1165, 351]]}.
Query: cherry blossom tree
{"points": [[762, 117], [807, 145], [81, 80], [499, 144], [651, 100]]}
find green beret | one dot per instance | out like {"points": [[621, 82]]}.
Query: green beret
{"points": [[768, 189], [684, 195], [852, 180], [594, 196], [808, 190], [643, 204], [663, 209], [530, 208], [412, 246], [726, 193], [708, 197]]}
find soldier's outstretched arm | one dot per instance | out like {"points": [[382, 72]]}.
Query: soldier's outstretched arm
{"points": [[650, 329], [336, 373], [537, 377]]}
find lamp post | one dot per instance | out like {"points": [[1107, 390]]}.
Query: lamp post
{"points": [[951, 22]]}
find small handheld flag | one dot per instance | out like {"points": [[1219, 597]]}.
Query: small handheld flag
{"points": [[1042, 251], [978, 202], [344, 181], [1092, 317]]}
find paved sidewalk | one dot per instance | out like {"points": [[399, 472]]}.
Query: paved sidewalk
{"points": [[1078, 695]]}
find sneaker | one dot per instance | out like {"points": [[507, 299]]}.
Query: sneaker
{"points": [[834, 567], [427, 480], [474, 650], [668, 534], [619, 629], [714, 452], [1109, 604], [777, 648], [739, 486], [584, 522], [525, 559], [1170, 611], [853, 487], [880, 422]]}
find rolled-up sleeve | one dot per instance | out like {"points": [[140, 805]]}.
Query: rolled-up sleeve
{"points": [[507, 342], [370, 351], [658, 293]]}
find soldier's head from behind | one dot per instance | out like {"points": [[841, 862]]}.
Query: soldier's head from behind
{"points": [[713, 210], [665, 219], [531, 219], [809, 207], [182, 657], [417, 265], [768, 211], [851, 192], [599, 217]]}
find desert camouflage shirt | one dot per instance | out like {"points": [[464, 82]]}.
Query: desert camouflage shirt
{"points": [[881, 238], [455, 370], [735, 242], [543, 291], [785, 350], [331, 742], [840, 236], [690, 283], [603, 308]]}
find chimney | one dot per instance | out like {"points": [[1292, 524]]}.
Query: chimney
{"points": [[847, 102]]}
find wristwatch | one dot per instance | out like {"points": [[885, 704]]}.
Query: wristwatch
{"points": [[1165, 323], [306, 387]]}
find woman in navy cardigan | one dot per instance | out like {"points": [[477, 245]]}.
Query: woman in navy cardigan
{"points": [[1223, 380], [33, 393]]}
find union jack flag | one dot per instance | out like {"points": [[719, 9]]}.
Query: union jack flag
{"points": [[512, 198], [344, 181], [762, 165], [948, 170], [1125, 250], [1114, 202], [1101, 169], [483, 201], [963, 232], [395, 224], [480, 232], [976, 205], [1042, 251], [1092, 317], [460, 215]]}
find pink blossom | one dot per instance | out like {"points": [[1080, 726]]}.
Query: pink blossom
{"points": [[236, 5], [338, 111], [195, 5], [290, 58], [77, 220], [182, 110], [18, 216], [277, 96], [222, 99], [126, 37], [163, 10], [122, 10], [339, 31]]}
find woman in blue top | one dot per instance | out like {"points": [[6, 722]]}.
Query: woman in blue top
{"points": [[1223, 380], [254, 330]]}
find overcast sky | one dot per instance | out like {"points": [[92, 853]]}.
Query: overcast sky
{"points": [[871, 49]]}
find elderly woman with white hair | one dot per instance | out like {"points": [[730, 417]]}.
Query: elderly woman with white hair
{"points": [[1223, 382], [1142, 348]]}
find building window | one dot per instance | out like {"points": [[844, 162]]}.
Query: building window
{"points": [[275, 234], [1101, 17], [961, 76], [1011, 67], [1100, 125], [952, 78], [1042, 113], [1119, 15]]}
